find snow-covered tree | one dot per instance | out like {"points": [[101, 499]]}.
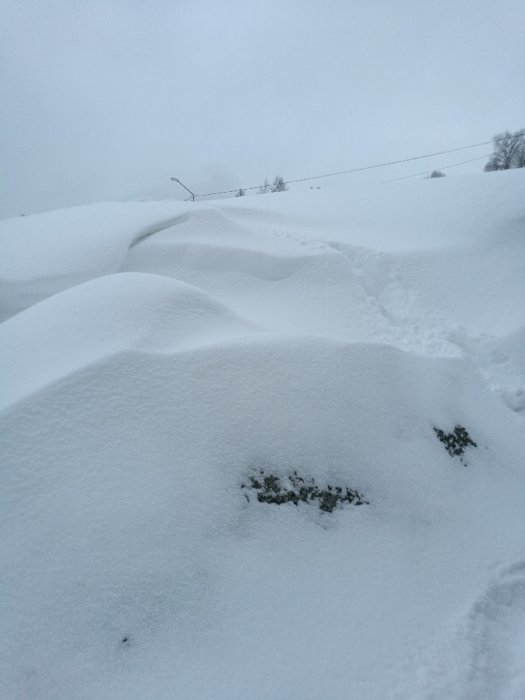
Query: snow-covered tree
{"points": [[240, 192], [279, 185], [509, 151], [264, 189]]}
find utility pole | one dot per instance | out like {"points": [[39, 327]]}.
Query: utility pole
{"points": [[175, 179]]}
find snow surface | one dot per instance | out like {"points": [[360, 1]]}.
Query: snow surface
{"points": [[156, 353]]}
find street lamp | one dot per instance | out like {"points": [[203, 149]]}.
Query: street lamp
{"points": [[176, 179]]}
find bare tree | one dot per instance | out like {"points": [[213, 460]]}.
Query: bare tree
{"points": [[508, 152], [240, 192]]}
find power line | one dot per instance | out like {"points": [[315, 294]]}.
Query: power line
{"points": [[363, 168], [442, 167], [353, 170]]}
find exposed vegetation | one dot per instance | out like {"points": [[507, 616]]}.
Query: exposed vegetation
{"points": [[294, 489], [456, 442]]}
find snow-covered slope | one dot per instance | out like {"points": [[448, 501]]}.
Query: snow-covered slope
{"points": [[159, 355]]}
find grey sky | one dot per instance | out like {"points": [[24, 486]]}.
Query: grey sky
{"points": [[106, 99]]}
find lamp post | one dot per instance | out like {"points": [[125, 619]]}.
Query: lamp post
{"points": [[176, 179]]}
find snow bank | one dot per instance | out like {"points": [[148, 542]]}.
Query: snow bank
{"points": [[99, 318], [47, 253], [177, 349], [83, 240]]}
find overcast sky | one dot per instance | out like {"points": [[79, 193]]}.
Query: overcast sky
{"points": [[106, 99]]}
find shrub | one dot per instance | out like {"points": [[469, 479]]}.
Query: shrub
{"points": [[294, 489]]}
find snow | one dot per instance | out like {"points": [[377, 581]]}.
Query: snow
{"points": [[103, 317], [159, 353]]}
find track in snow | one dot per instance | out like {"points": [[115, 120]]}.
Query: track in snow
{"points": [[486, 659]]}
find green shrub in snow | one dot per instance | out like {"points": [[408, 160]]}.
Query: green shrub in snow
{"points": [[270, 488], [455, 442]]}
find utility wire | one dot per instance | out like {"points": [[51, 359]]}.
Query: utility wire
{"points": [[442, 167], [369, 167], [354, 170]]}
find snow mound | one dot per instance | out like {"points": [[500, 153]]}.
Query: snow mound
{"points": [[130, 541], [47, 253], [88, 240], [104, 316]]}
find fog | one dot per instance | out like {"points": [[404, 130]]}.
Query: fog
{"points": [[109, 99]]}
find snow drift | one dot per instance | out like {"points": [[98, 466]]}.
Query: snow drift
{"points": [[193, 346]]}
